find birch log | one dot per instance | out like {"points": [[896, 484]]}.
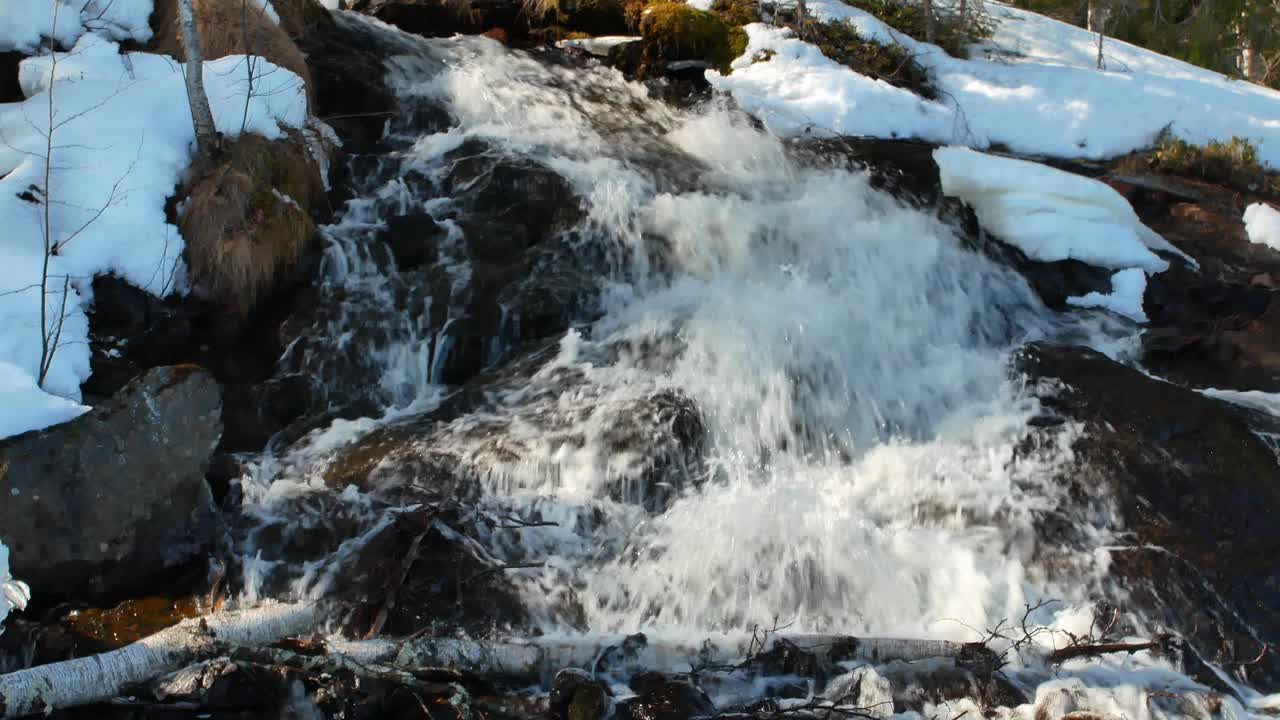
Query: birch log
{"points": [[96, 678], [536, 660]]}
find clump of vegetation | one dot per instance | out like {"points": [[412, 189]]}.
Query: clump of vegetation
{"points": [[1233, 163], [737, 12], [889, 63], [954, 29], [676, 31], [246, 224]]}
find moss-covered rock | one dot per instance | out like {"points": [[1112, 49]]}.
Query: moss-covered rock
{"points": [[247, 221], [674, 31], [737, 12]]}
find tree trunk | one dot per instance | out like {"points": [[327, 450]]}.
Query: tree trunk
{"points": [[96, 678], [928, 21], [1092, 18], [1250, 66], [201, 115], [536, 660]]}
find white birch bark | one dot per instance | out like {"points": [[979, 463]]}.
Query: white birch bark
{"points": [[87, 680], [201, 115]]}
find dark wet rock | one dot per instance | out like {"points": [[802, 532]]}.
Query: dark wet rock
{"points": [[576, 695], [439, 18], [347, 81], [252, 414], [413, 239], [664, 697], [934, 682], [10, 89], [1194, 476], [1213, 334], [107, 501]]}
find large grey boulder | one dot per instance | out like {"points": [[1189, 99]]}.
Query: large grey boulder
{"points": [[103, 503]]}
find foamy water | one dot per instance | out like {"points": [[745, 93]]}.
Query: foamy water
{"points": [[847, 357]]}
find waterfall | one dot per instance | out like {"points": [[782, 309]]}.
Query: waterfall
{"points": [[829, 430]]}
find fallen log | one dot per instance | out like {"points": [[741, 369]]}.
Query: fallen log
{"points": [[536, 660], [1094, 650], [98, 678]]}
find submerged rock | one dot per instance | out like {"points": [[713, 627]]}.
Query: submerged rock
{"points": [[107, 501]]}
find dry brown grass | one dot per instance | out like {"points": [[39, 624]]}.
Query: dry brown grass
{"points": [[246, 223], [235, 27]]}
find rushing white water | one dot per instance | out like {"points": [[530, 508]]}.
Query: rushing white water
{"points": [[865, 467]]}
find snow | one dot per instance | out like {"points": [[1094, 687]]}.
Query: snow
{"points": [[109, 181], [25, 25], [1033, 87], [1050, 214], [599, 46], [1262, 223], [14, 594], [1127, 289], [270, 11]]}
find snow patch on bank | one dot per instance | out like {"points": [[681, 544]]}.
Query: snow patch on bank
{"points": [[1262, 223], [1033, 87], [123, 139], [25, 25]]}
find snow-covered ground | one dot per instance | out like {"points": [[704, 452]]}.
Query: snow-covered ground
{"points": [[1033, 86], [1262, 223], [122, 140]]}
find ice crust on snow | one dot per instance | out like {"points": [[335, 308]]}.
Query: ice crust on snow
{"points": [[1033, 86], [1262, 223], [1050, 214], [109, 181]]}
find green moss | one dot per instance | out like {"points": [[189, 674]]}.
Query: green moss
{"points": [[1233, 163], [889, 63], [737, 12], [675, 31]]}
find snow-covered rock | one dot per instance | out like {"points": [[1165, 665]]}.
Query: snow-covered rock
{"points": [[1262, 223], [123, 139], [1125, 298], [1048, 213]]}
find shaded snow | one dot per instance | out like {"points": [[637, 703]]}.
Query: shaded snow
{"points": [[1048, 213], [25, 25], [1125, 298], [1262, 223], [111, 175], [1032, 87]]}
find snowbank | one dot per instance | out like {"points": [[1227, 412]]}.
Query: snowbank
{"points": [[1032, 87], [1125, 298], [1048, 213], [123, 137], [27, 24], [1262, 223], [14, 594]]}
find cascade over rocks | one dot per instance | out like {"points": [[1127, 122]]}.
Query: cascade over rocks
{"points": [[105, 502], [1195, 480]]}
